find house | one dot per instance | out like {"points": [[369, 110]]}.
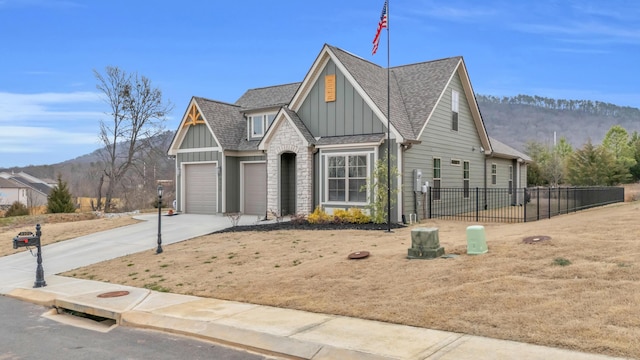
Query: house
{"points": [[22, 187], [289, 148]]}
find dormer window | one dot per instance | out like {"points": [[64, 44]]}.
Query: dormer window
{"points": [[257, 126], [259, 123]]}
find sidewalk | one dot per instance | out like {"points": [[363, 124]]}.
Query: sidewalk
{"points": [[280, 332]]}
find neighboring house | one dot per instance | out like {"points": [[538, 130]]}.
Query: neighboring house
{"points": [[12, 191], [287, 149], [29, 190]]}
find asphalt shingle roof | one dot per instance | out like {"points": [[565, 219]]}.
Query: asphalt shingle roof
{"points": [[8, 184], [266, 97], [300, 125], [226, 121], [502, 149], [421, 86]]}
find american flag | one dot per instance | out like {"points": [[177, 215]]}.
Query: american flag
{"points": [[381, 25]]}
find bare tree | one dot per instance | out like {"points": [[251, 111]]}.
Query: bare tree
{"points": [[137, 113]]}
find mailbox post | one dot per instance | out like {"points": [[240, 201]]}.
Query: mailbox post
{"points": [[159, 249], [25, 239]]}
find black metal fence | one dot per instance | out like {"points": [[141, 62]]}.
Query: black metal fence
{"points": [[516, 205]]}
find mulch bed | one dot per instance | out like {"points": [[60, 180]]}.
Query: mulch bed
{"points": [[305, 225]]}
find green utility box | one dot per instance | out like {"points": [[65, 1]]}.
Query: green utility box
{"points": [[476, 240], [425, 244]]}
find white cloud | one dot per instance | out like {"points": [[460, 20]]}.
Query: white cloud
{"points": [[20, 136], [79, 106]]}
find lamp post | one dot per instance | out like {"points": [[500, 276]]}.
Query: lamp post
{"points": [[159, 249]]}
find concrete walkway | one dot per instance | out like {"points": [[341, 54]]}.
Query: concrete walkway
{"points": [[281, 332]]}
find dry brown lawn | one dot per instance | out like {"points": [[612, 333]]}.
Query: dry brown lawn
{"points": [[57, 227], [516, 291]]}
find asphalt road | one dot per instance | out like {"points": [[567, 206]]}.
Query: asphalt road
{"points": [[24, 334]]}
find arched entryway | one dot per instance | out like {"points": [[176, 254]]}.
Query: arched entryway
{"points": [[288, 183]]}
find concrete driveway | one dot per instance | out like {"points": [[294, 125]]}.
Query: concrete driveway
{"points": [[18, 269]]}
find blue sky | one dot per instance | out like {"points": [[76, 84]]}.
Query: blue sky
{"points": [[50, 108]]}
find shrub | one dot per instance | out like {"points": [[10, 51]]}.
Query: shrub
{"points": [[17, 209], [318, 216], [353, 216], [356, 216], [340, 216]]}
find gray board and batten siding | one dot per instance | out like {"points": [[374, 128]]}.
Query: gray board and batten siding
{"points": [[349, 114], [438, 140], [197, 137]]}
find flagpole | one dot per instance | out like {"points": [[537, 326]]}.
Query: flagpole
{"points": [[388, 128]]}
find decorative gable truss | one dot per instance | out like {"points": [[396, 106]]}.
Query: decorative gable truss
{"points": [[193, 117]]}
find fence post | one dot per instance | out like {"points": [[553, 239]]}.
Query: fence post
{"points": [[549, 201], [538, 204], [477, 203], [429, 197], [524, 203]]}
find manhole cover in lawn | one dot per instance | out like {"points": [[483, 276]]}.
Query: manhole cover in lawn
{"points": [[358, 255], [113, 294], [535, 239]]}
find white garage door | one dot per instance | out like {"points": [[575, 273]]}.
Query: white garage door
{"points": [[255, 189], [201, 188]]}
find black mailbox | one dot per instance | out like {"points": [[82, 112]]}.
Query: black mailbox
{"points": [[25, 238]]}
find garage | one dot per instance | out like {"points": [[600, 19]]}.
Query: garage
{"points": [[201, 188], [254, 188]]}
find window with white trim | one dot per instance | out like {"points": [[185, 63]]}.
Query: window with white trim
{"points": [[465, 179], [259, 123], [494, 174], [437, 169], [455, 104], [347, 178]]}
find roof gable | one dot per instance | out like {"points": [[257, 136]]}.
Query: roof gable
{"points": [[225, 118], [348, 64], [286, 114]]}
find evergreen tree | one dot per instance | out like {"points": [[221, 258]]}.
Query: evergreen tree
{"points": [[592, 166], [59, 200]]}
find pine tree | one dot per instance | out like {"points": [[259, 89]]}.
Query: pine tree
{"points": [[59, 200]]}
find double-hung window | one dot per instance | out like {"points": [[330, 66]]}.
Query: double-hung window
{"points": [[347, 178], [436, 178], [494, 174], [465, 180], [455, 104], [258, 124]]}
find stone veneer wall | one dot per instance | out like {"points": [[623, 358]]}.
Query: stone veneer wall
{"points": [[287, 139]]}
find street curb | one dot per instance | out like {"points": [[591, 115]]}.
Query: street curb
{"points": [[247, 339]]}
